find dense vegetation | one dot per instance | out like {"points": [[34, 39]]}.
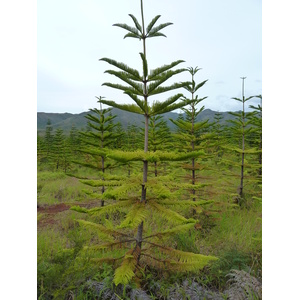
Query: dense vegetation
{"points": [[224, 229], [146, 212]]}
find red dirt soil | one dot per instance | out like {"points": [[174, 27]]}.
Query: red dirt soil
{"points": [[50, 212], [53, 209]]}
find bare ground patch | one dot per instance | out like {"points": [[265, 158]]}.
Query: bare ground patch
{"points": [[47, 213]]}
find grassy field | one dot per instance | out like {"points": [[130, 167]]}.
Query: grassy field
{"points": [[226, 230]]}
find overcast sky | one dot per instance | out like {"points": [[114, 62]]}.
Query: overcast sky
{"points": [[223, 38]]}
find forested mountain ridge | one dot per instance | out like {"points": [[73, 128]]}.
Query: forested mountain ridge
{"points": [[65, 121]]}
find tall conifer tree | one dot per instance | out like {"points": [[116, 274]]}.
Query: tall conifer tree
{"points": [[121, 141], [74, 140], [154, 197], [190, 131], [145, 85], [240, 130], [58, 148], [97, 140]]}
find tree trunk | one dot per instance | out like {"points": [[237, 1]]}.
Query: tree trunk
{"points": [[139, 235], [193, 178], [193, 148], [103, 188], [145, 167], [243, 150], [139, 238], [240, 190]]}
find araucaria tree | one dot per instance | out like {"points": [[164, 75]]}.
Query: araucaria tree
{"points": [[240, 129], [190, 131], [154, 199], [59, 148], [97, 141]]}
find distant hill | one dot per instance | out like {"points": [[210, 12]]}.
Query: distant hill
{"points": [[42, 118], [65, 121]]}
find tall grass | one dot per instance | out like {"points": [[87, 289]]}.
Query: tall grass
{"points": [[54, 188], [235, 229]]}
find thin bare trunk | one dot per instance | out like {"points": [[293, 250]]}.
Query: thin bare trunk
{"points": [[242, 165], [242, 178], [145, 167], [102, 157], [139, 238], [139, 235], [243, 145], [193, 177], [103, 170], [193, 147]]}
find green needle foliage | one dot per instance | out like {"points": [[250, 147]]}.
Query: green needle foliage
{"points": [[256, 122], [132, 143], [191, 133], [219, 137], [56, 150], [61, 154], [48, 139], [74, 141], [97, 141], [159, 138], [40, 148], [159, 134], [240, 130], [139, 198]]}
